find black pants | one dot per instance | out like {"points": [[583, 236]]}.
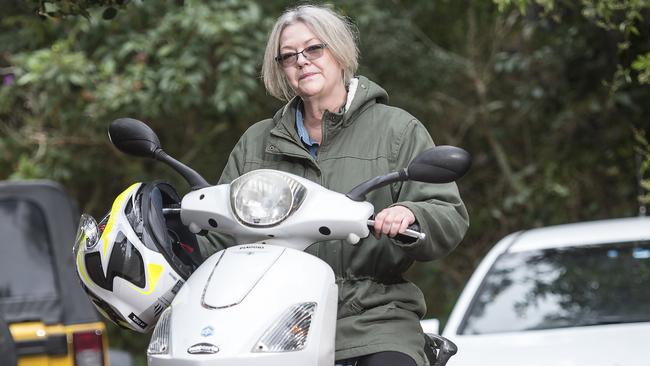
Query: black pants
{"points": [[388, 358]]}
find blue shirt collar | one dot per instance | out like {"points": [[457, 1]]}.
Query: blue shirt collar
{"points": [[311, 145]]}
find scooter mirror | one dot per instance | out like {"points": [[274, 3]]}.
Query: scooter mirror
{"points": [[133, 137], [440, 164]]}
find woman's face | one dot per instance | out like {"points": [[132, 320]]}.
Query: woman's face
{"points": [[309, 78]]}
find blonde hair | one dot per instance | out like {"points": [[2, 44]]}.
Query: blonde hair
{"points": [[337, 31]]}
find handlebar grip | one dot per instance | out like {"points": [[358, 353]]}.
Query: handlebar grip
{"points": [[412, 232]]}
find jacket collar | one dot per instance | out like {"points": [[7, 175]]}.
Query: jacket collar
{"points": [[366, 94]]}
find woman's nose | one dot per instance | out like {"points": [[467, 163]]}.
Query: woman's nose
{"points": [[302, 60]]}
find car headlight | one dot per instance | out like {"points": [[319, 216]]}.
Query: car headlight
{"points": [[289, 333], [265, 197], [159, 344]]}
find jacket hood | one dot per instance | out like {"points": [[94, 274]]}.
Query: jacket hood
{"points": [[366, 94]]}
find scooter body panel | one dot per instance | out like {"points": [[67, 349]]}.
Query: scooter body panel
{"points": [[282, 278], [323, 215]]}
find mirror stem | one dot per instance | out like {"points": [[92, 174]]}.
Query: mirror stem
{"points": [[358, 193], [195, 180]]}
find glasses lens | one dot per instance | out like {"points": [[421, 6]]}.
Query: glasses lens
{"points": [[313, 52], [310, 53], [287, 59]]}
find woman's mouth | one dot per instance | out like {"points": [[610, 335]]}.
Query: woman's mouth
{"points": [[304, 76]]}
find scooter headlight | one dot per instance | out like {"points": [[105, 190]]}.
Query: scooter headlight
{"points": [[289, 333], [265, 197], [160, 339]]}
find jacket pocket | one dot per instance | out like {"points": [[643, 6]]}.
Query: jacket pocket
{"points": [[357, 297]]}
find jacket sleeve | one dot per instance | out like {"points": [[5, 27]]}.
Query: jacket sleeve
{"points": [[438, 208], [214, 242]]}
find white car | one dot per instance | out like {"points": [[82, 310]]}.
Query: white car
{"points": [[569, 295]]}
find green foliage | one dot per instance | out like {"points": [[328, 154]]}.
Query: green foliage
{"points": [[63, 8], [190, 71], [642, 66], [643, 153], [522, 5], [626, 19], [624, 22]]}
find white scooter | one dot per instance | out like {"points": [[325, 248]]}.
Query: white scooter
{"points": [[265, 301]]}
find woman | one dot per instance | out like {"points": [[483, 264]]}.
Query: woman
{"points": [[337, 130]]}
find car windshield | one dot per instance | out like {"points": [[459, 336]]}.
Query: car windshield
{"points": [[563, 287]]}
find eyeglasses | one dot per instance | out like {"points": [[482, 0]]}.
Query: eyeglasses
{"points": [[310, 53]]}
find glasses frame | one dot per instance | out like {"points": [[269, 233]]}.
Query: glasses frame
{"points": [[291, 58]]}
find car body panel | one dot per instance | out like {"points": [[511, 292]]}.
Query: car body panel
{"points": [[38, 344], [583, 233], [579, 346]]}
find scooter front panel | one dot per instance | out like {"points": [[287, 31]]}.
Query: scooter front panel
{"points": [[293, 278], [222, 294]]}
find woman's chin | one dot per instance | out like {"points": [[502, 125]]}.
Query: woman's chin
{"points": [[310, 91]]}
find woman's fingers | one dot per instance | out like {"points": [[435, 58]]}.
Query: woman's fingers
{"points": [[393, 220]]}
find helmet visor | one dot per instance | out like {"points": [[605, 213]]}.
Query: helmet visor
{"points": [[87, 234]]}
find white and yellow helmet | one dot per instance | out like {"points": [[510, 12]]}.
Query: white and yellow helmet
{"points": [[135, 260]]}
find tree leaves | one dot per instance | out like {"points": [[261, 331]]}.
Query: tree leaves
{"points": [[180, 69]]}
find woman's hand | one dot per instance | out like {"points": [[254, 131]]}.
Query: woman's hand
{"points": [[393, 220]]}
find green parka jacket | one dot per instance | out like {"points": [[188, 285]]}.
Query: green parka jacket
{"points": [[378, 309]]}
